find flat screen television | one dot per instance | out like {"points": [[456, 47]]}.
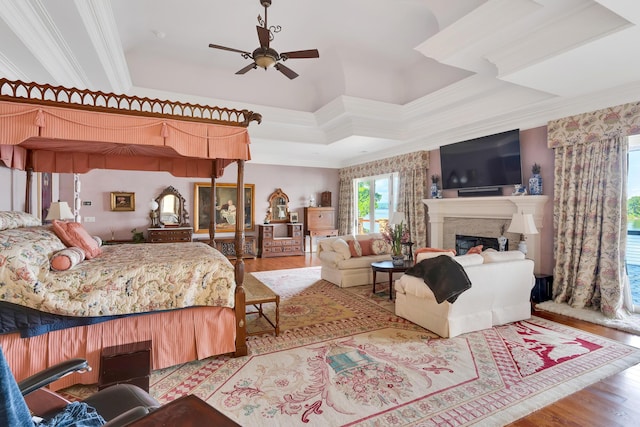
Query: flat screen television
{"points": [[488, 161]]}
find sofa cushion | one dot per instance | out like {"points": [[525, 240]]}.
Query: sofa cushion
{"points": [[354, 248], [469, 259], [361, 262], [491, 255], [341, 247]]}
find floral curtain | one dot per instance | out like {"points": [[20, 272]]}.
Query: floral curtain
{"points": [[412, 170], [590, 206]]}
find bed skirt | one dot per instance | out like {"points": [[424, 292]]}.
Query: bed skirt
{"points": [[177, 337]]}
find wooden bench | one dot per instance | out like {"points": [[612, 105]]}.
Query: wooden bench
{"points": [[257, 293]]}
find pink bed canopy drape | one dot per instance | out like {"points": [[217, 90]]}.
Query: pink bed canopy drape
{"points": [[50, 135]]}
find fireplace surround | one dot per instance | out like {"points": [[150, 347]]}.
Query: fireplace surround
{"points": [[483, 216]]}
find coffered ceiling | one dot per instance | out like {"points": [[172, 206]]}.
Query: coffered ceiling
{"points": [[393, 76]]}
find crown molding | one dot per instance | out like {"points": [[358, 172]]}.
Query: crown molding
{"points": [[98, 20], [32, 24]]}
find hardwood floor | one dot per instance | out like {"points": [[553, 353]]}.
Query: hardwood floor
{"points": [[613, 401]]}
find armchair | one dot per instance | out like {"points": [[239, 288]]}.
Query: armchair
{"points": [[117, 405]]}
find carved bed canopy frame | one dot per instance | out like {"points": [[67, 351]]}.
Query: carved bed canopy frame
{"points": [[46, 128]]}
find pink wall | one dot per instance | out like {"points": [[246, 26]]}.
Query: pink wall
{"points": [[297, 182], [533, 149]]}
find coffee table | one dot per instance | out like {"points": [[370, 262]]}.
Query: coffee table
{"points": [[388, 267]]}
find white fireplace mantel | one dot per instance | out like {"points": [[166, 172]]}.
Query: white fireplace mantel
{"points": [[496, 207]]}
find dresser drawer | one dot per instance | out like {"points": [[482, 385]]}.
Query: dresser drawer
{"points": [[168, 235]]}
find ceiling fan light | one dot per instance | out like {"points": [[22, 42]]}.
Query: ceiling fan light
{"points": [[265, 61]]}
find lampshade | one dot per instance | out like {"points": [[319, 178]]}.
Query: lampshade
{"points": [[153, 205], [397, 218], [522, 223], [59, 210]]}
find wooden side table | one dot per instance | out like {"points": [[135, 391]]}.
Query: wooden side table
{"points": [[187, 411], [388, 267]]}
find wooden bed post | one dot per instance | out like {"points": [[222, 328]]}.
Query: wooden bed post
{"points": [[241, 325], [212, 205], [27, 193]]}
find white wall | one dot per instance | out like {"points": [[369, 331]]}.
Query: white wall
{"points": [[297, 182]]}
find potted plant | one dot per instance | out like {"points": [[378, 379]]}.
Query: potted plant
{"points": [[396, 235], [535, 182], [138, 236]]}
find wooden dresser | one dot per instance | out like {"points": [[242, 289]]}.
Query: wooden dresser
{"points": [[271, 246], [319, 222], [169, 234]]}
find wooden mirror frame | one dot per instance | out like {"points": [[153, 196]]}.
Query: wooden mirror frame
{"points": [[182, 213], [278, 202]]}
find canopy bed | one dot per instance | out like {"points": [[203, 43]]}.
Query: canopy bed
{"points": [[45, 128]]}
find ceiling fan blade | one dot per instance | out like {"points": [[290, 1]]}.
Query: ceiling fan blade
{"points": [[247, 68], [216, 46], [286, 71], [263, 36], [311, 53]]}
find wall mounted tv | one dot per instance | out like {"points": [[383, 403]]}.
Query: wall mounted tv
{"points": [[489, 161]]}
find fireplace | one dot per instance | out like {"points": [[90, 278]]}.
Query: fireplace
{"points": [[464, 243], [483, 216]]}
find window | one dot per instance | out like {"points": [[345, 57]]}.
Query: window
{"points": [[376, 199]]}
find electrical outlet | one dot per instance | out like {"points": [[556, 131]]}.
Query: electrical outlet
{"points": [[89, 219]]}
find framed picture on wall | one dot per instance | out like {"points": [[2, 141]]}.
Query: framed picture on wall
{"points": [[225, 207], [123, 201]]}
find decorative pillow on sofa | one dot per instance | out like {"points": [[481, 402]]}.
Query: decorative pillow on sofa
{"points": [[341, 247], [491, 255], [67, 258], [17, 219], [366, 247], [380, 247], [74, 234], [475, 250], [354, 248], [432, 253]]}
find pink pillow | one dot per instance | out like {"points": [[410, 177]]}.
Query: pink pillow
{"points": [[74, 234], [366, 247], [422, 250], [475, 250], [67, 258], [354, 248]]}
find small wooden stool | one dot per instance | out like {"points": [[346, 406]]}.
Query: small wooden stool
{"points": [[257, 293]]}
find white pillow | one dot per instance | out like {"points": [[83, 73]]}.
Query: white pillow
{"points": [[469, 259], [342, 247], [491, 255]]}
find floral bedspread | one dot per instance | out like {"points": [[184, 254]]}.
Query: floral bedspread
{"points": [[129, 278]]}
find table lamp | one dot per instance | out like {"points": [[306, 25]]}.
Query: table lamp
{"points": [[523, 224], [153, 214], [60, 211]]}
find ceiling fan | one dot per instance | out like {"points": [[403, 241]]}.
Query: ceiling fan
{"points": [[266, 57]]}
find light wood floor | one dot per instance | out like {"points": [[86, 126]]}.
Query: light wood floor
{"points": [[614, 401]]}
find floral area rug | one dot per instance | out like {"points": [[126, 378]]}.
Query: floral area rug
{"points": [[365, 366], [357, 364]]}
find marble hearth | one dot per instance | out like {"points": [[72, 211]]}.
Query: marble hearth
{"points": [[483, 216]]}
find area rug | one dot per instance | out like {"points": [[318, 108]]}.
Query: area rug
{"points": [[630, 323], [366, 367]]}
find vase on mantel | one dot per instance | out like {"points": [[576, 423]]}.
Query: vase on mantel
{"points": [[535, 182]]}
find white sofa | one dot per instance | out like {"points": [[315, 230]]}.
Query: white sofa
{"points": [[344, 270], [500, 293]]}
